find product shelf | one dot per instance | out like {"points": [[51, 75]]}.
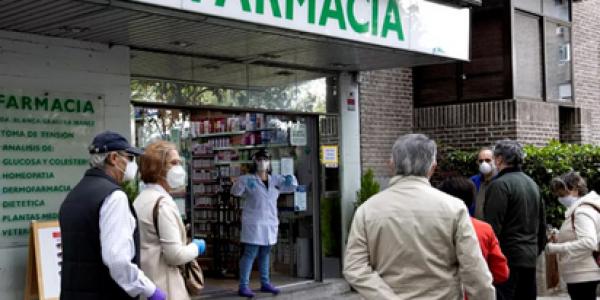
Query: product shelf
{"points": [[218, 134]]}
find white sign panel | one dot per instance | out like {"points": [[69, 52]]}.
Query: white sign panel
{"points": [[50, 246], [44, 138], [416, 25], [300, 198], [298, 135]]}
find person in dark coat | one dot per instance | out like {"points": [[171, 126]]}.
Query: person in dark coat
{"points": [[515, 210], [100, 238]]}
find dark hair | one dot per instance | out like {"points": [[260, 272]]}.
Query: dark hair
{"points": [[511, 152], [459, 187], [570, 181]]}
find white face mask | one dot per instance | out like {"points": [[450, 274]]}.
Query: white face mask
{"points": [[176, 177], [130, 171], [262, 165], [485, 168], [567, 201]]}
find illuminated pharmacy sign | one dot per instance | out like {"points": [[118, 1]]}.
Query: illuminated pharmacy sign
{"points": [[416, 25], [43, 142]]}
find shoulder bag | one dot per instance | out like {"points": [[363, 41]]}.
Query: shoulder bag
{"points": [[191, 271]]}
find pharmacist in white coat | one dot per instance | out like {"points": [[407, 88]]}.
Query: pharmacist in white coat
{"points": [[259, 219]]}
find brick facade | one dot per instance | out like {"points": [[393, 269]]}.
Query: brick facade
{"points": [[386, 112], [586, 46], [468, 126]]}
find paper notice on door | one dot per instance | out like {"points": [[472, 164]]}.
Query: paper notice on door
{"points": [[300, 198], [287, 166], [275, 167]]}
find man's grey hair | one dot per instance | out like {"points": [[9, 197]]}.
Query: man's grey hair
{"points": [[97, 160], [511, 152], [413, 154]]}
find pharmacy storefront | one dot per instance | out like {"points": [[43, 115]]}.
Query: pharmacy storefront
{"points": [[222, 79]]}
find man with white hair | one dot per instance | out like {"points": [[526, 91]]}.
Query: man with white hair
{"points": [[413, 241], [515, 210], [100, 239]]}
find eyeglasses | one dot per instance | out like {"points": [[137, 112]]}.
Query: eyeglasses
{"points": [[127, 156], [487, 160]]}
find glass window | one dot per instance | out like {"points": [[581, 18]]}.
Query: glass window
{"points": [[557, 8], [558, 56], [530, 5], [528, 55]]}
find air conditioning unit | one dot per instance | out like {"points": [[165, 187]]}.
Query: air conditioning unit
{"points": [[564, 53]]}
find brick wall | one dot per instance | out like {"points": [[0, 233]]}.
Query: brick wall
{"points": [[586, 59], [386, 112], [537, 122], [468, 126]]}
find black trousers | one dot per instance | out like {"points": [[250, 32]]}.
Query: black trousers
{"points": [[582, 290], [521, 285]]}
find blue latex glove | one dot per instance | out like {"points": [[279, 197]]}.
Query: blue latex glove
{"points": [[201, 244], [158, 295], [289, 180]]}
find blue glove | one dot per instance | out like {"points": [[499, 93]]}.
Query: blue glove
{"points": [[158, 295], [201, 244], [289, 180]]}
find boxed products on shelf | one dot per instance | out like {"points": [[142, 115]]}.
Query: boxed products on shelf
{"points": [[205, 189], [204, 175], [202, 149]]}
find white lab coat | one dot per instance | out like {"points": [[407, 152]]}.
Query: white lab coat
{"points": [[259, 214]]}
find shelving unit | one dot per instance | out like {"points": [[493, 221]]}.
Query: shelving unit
{"points": [[217, 157]]}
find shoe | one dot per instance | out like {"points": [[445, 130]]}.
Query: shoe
{"points": [[246, 292], [269, 288]]}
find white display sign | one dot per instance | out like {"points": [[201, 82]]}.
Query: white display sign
{"points": [[287, 166], [416, 25], [298, 135], [44, 138], [300, 198], [50, 248]]}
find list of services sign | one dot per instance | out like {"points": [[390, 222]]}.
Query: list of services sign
{"points": [[43, 142]]}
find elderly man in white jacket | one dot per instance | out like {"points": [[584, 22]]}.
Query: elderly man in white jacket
{"points": [[412, 241]]}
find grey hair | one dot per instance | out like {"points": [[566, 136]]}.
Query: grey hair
{"points": [[511, 152], [97, 160], [413, 154]]}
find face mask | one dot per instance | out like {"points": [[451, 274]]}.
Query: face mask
{"points": [[485, 168], [176, 177], [262, 165], [130, 170], [567, 201]]}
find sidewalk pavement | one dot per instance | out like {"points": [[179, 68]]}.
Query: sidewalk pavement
{"points": [[334, 289]]}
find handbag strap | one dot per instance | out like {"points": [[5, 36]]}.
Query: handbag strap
{"points": [[155, 214]]}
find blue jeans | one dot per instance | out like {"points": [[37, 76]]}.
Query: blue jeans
{"points": [[247, 259]]}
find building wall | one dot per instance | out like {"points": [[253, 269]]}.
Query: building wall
{"points": [[586, 46], [386, 112], [537, 122], [468, 126], [36, 63]]}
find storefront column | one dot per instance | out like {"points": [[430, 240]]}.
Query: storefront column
{"points": [[349, 148]]}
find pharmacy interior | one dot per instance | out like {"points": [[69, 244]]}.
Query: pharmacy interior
{"points": [[217, 131]]}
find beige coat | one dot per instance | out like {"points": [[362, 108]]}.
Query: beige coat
{"points": [[412, 241], [575, 261], [159, 259]]}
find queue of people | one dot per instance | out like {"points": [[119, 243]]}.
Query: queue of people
{"points": [[476, 238]]}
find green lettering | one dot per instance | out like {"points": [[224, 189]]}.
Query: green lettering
{"points": [[374, 17], [356, 26], [260, 7], [336, 13], [12, 102], [41, 103], [56, 105], [88, 107], [289, 9], [245, 4], [26, 102], [395, 24], [72, 108]]}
